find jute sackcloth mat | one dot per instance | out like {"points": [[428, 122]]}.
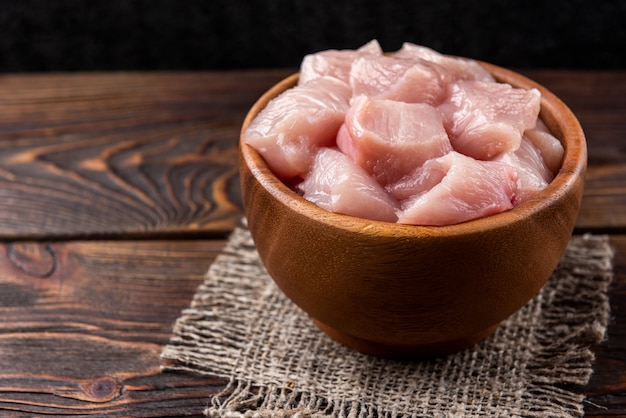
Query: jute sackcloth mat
{"points": [[241, 327]]}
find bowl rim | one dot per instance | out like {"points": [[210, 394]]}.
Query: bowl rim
{"points": [[572, 169]]}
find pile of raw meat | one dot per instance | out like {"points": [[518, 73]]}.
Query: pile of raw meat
{"points": [[413, 136]]}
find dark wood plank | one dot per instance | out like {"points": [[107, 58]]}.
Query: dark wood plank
{"points": [[83, 325], [154, 154], [604, 201], [606, 391], [122, 154]]}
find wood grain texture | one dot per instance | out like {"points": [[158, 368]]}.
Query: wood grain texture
{"points": [[85, 339], [133, 154], [122, 154], [83, 325], [606, 391], [153, 156]]}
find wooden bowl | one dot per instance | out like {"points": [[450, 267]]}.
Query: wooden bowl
{"points": [[408, 291]]}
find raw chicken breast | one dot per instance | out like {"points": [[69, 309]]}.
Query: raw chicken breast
{"points": [[406, 80], [421, 180], [413, 136], [288, 132], [458, 68], [549, 147], [337, 184], [335, 63], [485, 119], [389, 139], [463, 189], [533, 173]]}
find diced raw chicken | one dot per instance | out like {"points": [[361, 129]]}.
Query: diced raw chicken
{"points": [[337, 184], [485, 119], [467, 189], [406, 80], [421, 180], [414, 137], [458, 68], [335, 62], [290, 129], [533, 173], [389, 139], [548, 145]]}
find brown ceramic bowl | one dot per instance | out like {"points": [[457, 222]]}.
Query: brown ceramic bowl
{"points": [[397, 290]]}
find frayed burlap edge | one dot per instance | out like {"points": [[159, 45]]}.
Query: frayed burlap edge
{"points": [[212, 337]]}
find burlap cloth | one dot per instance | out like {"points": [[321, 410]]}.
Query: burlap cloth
{"points": [[241, 327]]}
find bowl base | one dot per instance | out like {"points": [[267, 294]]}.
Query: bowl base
{"points": [[404, 351]]}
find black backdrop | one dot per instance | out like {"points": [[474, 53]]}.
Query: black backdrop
{"points": [[72, 35]]}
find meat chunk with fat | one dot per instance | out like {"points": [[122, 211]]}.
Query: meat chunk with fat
{"points": [[456, 188], [548, 145], [337, 184], [389, 139], [291, 128], [533, 173], [457, 68], [394, 78], [485, 119], [335, 62]]}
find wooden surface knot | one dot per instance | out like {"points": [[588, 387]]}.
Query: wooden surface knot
{"points": [[34, 259], [102, 390]]}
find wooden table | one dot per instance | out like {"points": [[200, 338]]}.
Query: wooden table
{"points": [[117, 190]]}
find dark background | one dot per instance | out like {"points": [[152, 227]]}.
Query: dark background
{"points": [[73, 35]]}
